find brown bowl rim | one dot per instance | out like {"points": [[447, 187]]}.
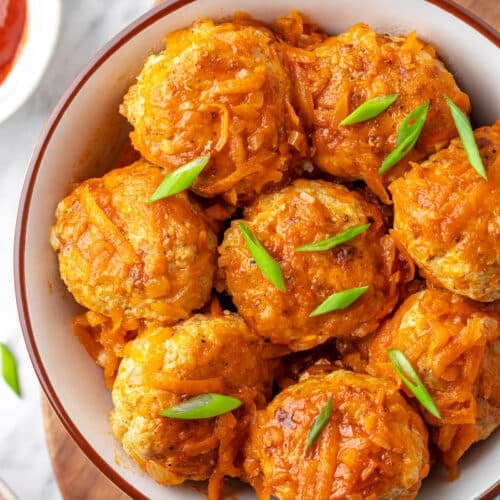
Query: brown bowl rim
{"points": [[52, 122]]}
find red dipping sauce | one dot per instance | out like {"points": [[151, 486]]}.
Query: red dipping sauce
{"points": [[12, 24]]}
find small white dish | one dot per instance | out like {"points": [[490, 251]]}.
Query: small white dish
{"points": [[42, 27]]}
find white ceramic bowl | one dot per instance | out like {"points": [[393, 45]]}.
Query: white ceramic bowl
{"points": [[83, 135], [42, 28]]}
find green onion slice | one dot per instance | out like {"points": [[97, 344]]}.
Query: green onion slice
{"points": [[9, 369], [406, 126], [203, 406], [180, 179], [409, 376], [333, 241], [369, 109], [269, 267], [408, 133], [467, 137], [319, 423], [339, 300]]}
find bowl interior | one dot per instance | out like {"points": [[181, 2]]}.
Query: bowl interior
{"points": [[83, 137]]}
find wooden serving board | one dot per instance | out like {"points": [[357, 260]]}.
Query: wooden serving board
{"points": [[77, 477]]}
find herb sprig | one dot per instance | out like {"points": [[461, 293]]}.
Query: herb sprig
{"points": [[333, 241], [467, 137], [180, 179], [408, 133], [339, 300], [408, 375], [9, 369], [319, 423], [269, 267], [203, 406], [369, 109]]}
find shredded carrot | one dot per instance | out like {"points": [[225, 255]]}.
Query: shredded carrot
{"points": [[231, 430], [224, 126], [215, 308], [109, 230], [245, 85], [105, 338]]}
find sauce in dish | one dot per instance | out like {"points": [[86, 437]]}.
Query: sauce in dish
{"points": [[12, 27]]}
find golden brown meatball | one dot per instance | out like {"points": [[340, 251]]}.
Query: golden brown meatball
{"points": [[301, 213], [119, 253], [448, 217], [373, 446], [454, 347], [164, 366], [353, 351], [347, 70], [218, 89]]}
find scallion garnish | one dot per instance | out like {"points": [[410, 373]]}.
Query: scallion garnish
{"points": [[319, 423], [408, 133], [467, 137], [180, 179], [9, 369], [339, 300], [409, 376], [333, 241], [269, 267], [369, 109], [203, 406]]}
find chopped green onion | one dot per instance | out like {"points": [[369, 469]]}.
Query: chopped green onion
{"points": [[203, 406], [406, 126], [269, 267], [333, 241], [467, 136], [409, 376], [339, 300], [180, 179], [9, 369], [369, 109], [408, 133], [319, 423]]}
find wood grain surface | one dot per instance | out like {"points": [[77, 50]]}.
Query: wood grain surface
{"points": [[487, 10], [77, 477]]}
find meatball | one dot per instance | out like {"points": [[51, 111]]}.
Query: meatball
{"points": [[301, 213], [448, 217], [164, 366], [374, 445], [346, 70], [117, 252], [454, 347], [219, 90]]}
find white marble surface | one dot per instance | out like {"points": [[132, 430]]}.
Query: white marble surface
{"points": [[85, 26]]}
